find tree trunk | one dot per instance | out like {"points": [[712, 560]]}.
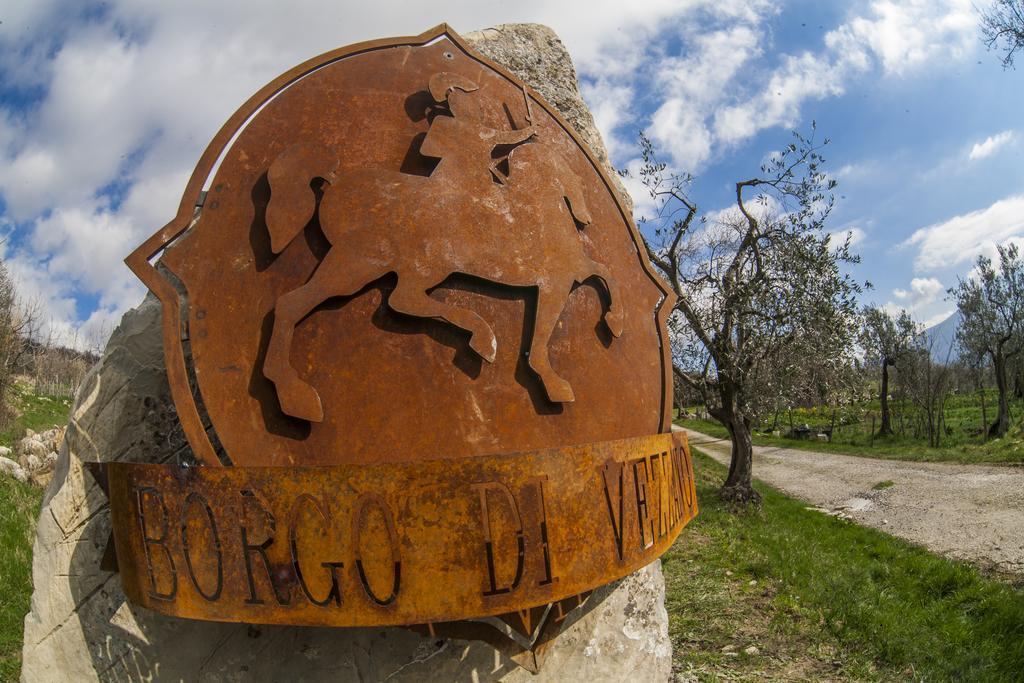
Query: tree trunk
{"points": [[1002, 423], [738, 487], [883, 399], [984, 417]]}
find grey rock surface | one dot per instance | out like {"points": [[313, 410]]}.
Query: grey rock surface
{"points": [[80, 628]]}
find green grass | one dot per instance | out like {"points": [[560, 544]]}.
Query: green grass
{"points": [[19, 506], [882, 485], [37, 413], [1008, 450], [823, 598]]}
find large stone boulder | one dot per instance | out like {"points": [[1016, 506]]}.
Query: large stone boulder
{"points": [[80, 628], [37, 454]]}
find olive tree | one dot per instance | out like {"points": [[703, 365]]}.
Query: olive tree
{"points": [[19, 326], [886, 340], [755, 284], [992, 320], [928, 382], [1002, 28]]}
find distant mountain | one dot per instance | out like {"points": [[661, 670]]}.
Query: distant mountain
{"points": [[942, 339]]}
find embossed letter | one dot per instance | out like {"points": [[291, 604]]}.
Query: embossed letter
{"points": [[613, 474], [160, 541], [489, 541], [545, 545], [658, 465], [358, 521], [335, 592], [196, 498], [249, 497], [641, 479]]}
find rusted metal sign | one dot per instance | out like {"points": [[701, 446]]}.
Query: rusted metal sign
{"points": [[396, 543], [398, 295]]}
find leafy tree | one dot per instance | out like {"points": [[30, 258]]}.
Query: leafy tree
{"points": [[886, 340], [992, 307], [928, 382], [1002, 28], [758, 286]]}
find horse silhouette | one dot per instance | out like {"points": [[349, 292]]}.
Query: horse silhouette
{"points": [[523, 232]]}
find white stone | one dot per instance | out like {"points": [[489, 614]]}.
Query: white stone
{"points": [[13, 469], [81, 629], [31, 445]]}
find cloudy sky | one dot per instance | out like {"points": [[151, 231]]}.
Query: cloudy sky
{"points": [[106, 107]]}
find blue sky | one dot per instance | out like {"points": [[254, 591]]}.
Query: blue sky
{"points": [[105, 108]]}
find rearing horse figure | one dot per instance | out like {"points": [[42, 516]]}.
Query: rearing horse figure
{"points": [[523, 233]]}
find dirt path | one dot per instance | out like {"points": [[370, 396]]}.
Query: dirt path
{"points": [[970, 512]]}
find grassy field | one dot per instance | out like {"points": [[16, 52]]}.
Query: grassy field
{"points": [[19, 505], [34, 412], [962, 437], [1009, 449], [824, 599]]}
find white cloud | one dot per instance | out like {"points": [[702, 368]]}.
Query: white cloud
{"points": [[856, 235], [678, 127], [699, 83], [611, 105], [990, 145], [712, 60], [135, 90], [923, 291], [962, 238], [801, 77], [924, 300], [900, 37], [907, 34]]}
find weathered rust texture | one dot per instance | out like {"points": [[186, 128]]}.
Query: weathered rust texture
{"points": [[409, 291], [400, 385], [398, 543]]}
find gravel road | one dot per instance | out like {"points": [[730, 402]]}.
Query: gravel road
{"points": [[970, 512]]}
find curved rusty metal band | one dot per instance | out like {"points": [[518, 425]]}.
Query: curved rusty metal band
{"points": [[397, 543], [139, 261]]}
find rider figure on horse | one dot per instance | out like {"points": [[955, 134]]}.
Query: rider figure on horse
{"points": [[464, 142]]}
